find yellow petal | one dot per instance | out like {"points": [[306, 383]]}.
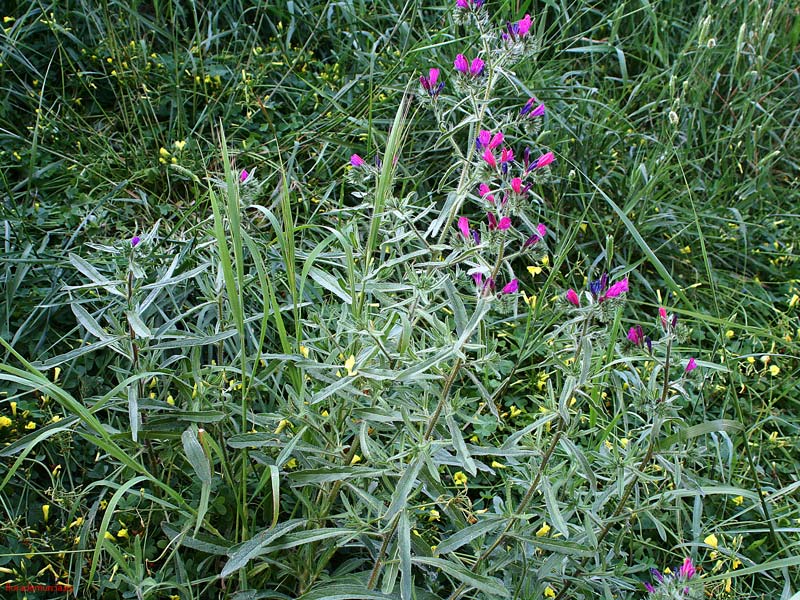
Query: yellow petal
{"points": [[711, 540], [349, 364], [543, 530]]}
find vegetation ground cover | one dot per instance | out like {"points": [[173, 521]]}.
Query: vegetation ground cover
{"points": [[239, 363]]}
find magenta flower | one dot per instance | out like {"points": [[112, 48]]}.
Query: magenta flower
{"points": [[461, 64], [507, 155], [615, 290], [485, 193], [488, 156], [529, 109], [544, 160], [243, 175], [636, 335], [357, 161], [484, 139], [429, 83], [511, 287], [478, 277], [542, 229], [135, 241], [572, 297], [469, 4], [662, 312], [686, 570], [504, 223], [516, 185], [691, 365], [518, 30], [473, 69], [463, 226]]}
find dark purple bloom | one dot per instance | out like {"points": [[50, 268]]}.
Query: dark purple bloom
{"points": [[135, 241], [511, 287], [649, 588], [518, 30], [530, 110], [657, 575]]}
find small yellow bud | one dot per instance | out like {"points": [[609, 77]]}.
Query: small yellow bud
{"points": [[56, 373], [356, 459], [549, 592], [14, 409], [109, 537], [291, 463], [459, 478], [122, 533], [543, 530], [170, 400], [282, 425], [349, 364], [434, 515], [730, 334], [497, 465], [46, 512], [738, 500]]}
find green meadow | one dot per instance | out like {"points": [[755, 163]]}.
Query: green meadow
{"points": [[400, 299]]}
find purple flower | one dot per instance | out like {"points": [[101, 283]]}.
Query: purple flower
{"points": [[478, 277], [429, 83], [518, 30], [472, 69], [572, 297], [483, 140], [357, 161], [511, 287], [488, 156], [504, 223], [615, 290], [492, 221], [691, 365], [135, 241], [542, 229], [469, 4], [636, 335], [463, 225], [544, 160], [649, 588], [657, 575], [686, 570], [516, 185], [243, 175], [529, 109], [485, 193]]}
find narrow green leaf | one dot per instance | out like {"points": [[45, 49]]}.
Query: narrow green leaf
{"points": [[467, 535], [482, 583], [253, 547]]}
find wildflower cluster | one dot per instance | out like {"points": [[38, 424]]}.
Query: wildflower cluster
{"points": [[682, 585]]}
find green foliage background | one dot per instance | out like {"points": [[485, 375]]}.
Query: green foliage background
{"points": [[234, 284]]}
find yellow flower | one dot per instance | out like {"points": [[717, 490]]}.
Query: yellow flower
{"points": [[434, 515], [459, 478], [774, 370], [282, 425], [730, 334], [543, 530], [179, 145], [497, 465], [727, 585], [793, 302], [711, 540], [738, 500], [736, 563], [109, 537], [325, 413], [291, 463], [14, 409], [349, 364], [163, 152], [56, 373], [5, 422], [608, 445], [545, 260], [356, 460], [30, 425], [55, 419], [514, 411], [624, 442], [46, 511], [170, 400], [686, 250], [549, 592], [534, 270], [103, 504], [76, 523], [122, 533], [304, 351]]}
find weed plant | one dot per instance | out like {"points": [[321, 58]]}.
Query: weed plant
{"points": [[392, 300]]}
